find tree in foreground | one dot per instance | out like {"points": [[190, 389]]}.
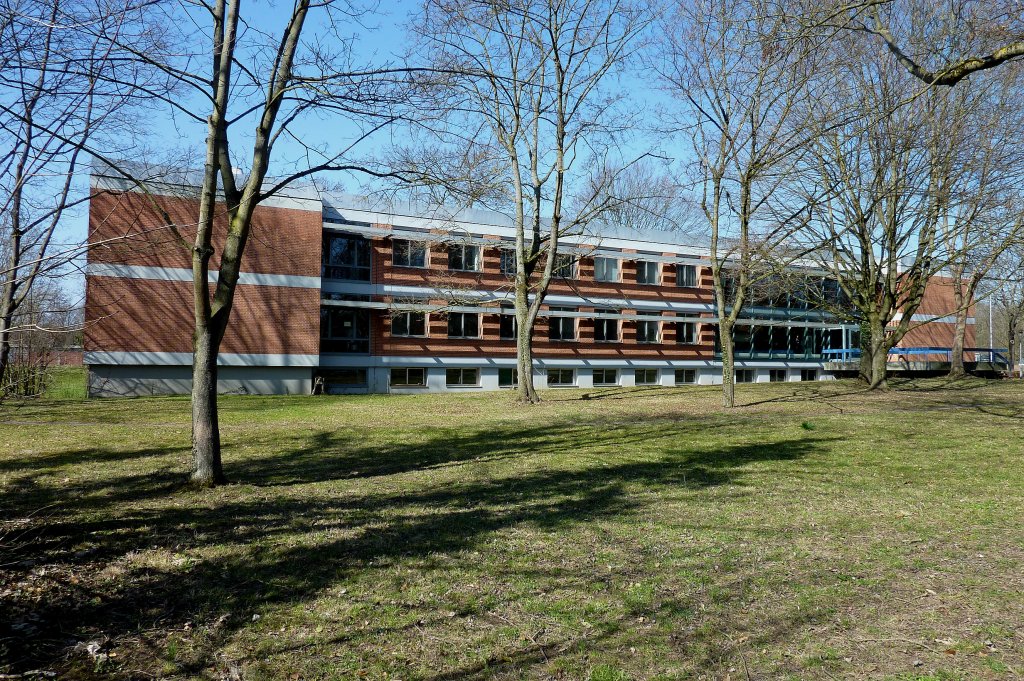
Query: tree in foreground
{"points": [[738, 87], [526, 84], [259, 86]]}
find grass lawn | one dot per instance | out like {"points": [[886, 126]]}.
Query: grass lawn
{"points": [[814, 532]]}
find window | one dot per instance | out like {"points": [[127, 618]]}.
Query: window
{"points": [[464, 257], [606, 377], [507, 323], [409, 378], [508, 378], [686, 376], [647, 331], [606, 269], [339, 380], [561, 377], [344, 330], [777, 375], [686, 333], [463, 325], [409, 253], [462, 377], [606, 330], [508, 262], [686, 276], [345, 257], [565, 266], [562, 328], [647, 377], [648, 272], [409, 324], [808, 374], [745, 375]]}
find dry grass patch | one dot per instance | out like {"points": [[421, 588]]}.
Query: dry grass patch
{"points": [[815, 532]]}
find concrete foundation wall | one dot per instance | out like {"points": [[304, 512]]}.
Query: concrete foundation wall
{"points": [[107, 380]]}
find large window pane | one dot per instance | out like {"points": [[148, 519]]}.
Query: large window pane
{"points": [[345, 257], [344, 330]]}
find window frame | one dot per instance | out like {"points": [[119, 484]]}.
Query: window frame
{"points": [[391, 377], [506, 315], [685, 372], [642, 324], [645, 372], [560, 267], [813, 373], [681, 282], [463, 316], [641, 265], [601, 323], [505, 255], [462, 249], [618, 269], [328, 267], [571, 384], [686, 339], [514, 374], [604, 382], [408, 324], [462, 373], [409, 244], [752, 373], [328, 339], [774, 373], [554, 320]]}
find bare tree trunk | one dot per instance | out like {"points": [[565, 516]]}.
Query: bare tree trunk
{"points": [[524, 347], [208, 470], [956, 362], [867, 363], [725, 330], [879, 361], [6, 319]]}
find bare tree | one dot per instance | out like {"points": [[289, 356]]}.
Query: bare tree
{"points": [[942, 44], [56, 97], [255, 93], [885, 173], [740, 87], [527, 84]]}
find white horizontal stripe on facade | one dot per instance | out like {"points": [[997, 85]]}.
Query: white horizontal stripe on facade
{"points": [[941, 319], [367, 361], [184, 274], [227, 359]]}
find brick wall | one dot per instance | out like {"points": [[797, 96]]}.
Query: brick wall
{"points": [[126, 228], [145, 315]]}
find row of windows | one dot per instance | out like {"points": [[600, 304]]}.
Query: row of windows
{"points": [[416, 377], [467, 325], [338, 380], [346, 257]]}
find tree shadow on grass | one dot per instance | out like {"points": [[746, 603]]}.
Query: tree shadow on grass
{"points": [[280, 550]]}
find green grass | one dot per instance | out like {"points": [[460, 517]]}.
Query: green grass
{"points": [[65, 383], [813, 532]]}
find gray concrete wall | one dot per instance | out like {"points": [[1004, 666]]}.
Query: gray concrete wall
{"points": [[107, 380]]}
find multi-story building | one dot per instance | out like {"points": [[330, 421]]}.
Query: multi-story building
{"points": [[340, 293]]}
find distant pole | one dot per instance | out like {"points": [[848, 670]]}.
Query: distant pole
{"points": [[991, 341]]}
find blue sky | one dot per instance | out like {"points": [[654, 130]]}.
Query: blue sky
{"points": [[381, 39]]}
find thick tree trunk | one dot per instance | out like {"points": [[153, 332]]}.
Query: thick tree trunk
{"points": [[879, 361], [956, 362], [524, 350], [1011, 349], [867, 362], [728, 363], [208, 471]]}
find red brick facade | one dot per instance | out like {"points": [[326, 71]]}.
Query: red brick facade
{"points": [[149, 315]]}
